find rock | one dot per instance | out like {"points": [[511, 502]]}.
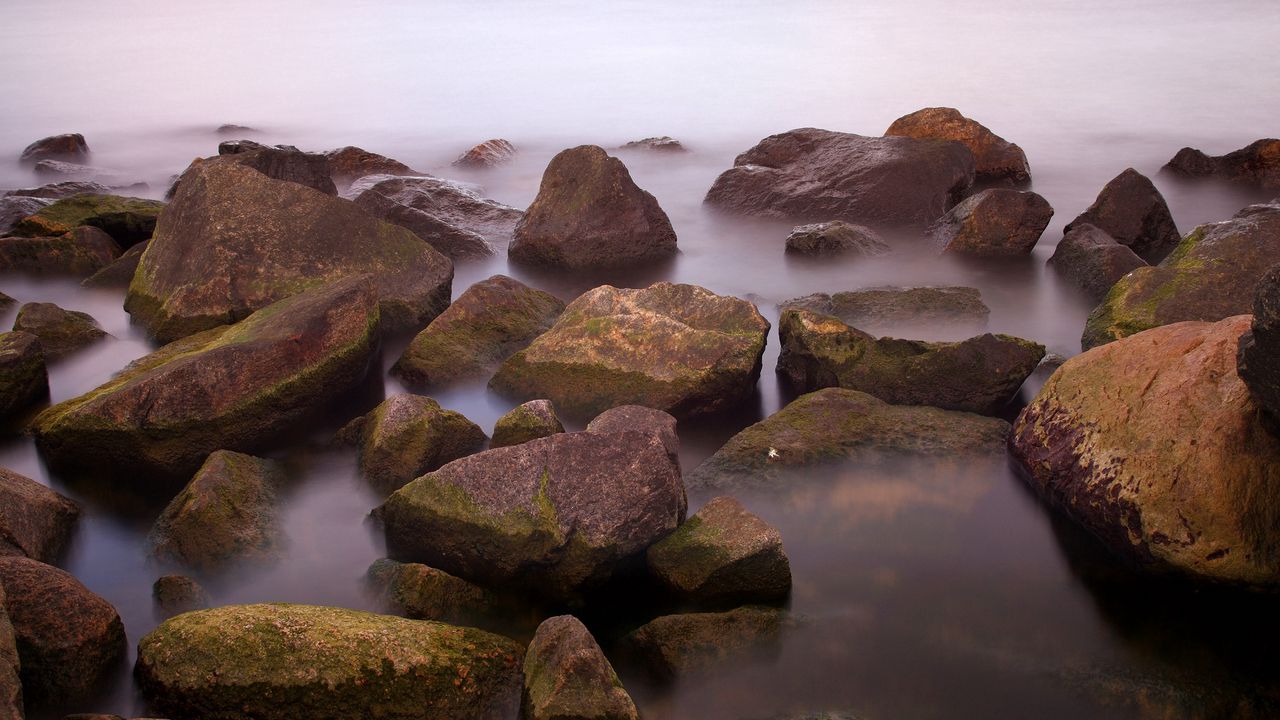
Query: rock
{"points": [[981, 374], [24, 380], [1258, 358], [127, 220], [638, 418], [1257, 164], [233, 241], [722, 556], [530, 421], [487, 154], [555, 516], [408, 435], [664, 143], [59, 190], [1153, 444], [425, 593], [69, 639], [281, 163], [120, 272], [821, 175], [677, 348], [1210, 276], [675, 646], [177, 594], [278, 662], [35, 522], [224, 516], [14, 208], [589, 213], [489, 322], [1093, 260], [997, 222], [10, 668], [451, 217], [235, 147], [836, 238], [234, 129], [61, 332], [1131, 210], [70, 146], [57, 169], [997, 159], [834, 426], [567, 676], [351, 163], [230, 388], [79, 252], [890, 309]]}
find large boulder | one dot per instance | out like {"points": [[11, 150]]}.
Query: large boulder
{"points": [[1093, 260], [61, 332], [69, 639], [893, 310], [69, 146], [14, 209], [674, 646], [128, 220], [425, 593], [408, 435], [35, 522], [234, 387], [677, 348], [820, 175], [567, 676], [638, 418], [11, 707], [835, 238], [590, 213], [834, 426], [981, 374], [452, 217], [233, 241], [1258, 360], [487, 154], [278, 662], [556, 516], [1153, 444], [350, 163], [1257, 164], [280, 163], [79, 252], [24, 380], [996, 159], [997, 222], [489, 322], [527, 421], [1210, 276], [1131, 210]]}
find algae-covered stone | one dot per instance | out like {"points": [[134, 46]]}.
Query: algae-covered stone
{"points": [[677, 348], [61, 332], [235, 388], [834, 426], [1093, 260], [10, 668], [24, 380], [79, 252], [177, 594], [489, 322], [567, 676], [1131, 210], [425, 593], [280, 662], [35, 521], [58, 190], [997, 159], [1210, 276], [675, 646], [128, 220], [836, 238], [529, 421], [887, 310], [13, 208], [233, 241], [408, 435], [1153, 443], [226, 515], [981, 374], [638, 418], [997, 222], [556, 516], [121, 270]]}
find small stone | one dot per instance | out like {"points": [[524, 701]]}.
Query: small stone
{"points": [[664, 143], [529, 421], [836, 238], [409, 435], [1132, 211], [1093, 260], [177, 594], [70, 146], [487, 154], [567, 676], [997, 222], [61, 332], [676, 646]]}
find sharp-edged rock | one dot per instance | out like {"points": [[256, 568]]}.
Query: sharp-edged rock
{"points": [[527, 421], [1131, 210], [567, 676], [61, 332], [35, 521], [997, 222], [1093, 260]]}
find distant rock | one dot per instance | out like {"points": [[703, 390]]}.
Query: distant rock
{"points": [[487, 154], [127, 220], [351, 163], [59, 190], [24, 381], [677, 646], [1258, 360], [997, 159], [35, 521], [13, 208], [663, 143], [638, 418], [121, 270], [57, 169], [78, 253], [61, 332], [1131, 210], [177, 594], [886, 310], [452, 217], [1257, 164], [1093, 260], [233, 129], [567, 676], [997, 222], [70, 146], [529, 421], [425, 593], [409, 435], [836, 238]]}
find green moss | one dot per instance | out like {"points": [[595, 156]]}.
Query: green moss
{"points": [[126, 219]]}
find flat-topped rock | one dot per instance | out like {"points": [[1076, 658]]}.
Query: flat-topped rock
{"points": [[78, 253]]}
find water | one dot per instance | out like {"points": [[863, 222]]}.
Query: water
{"points": [[923, 591]]}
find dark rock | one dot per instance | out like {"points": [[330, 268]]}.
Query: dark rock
{"points": [[56, 169], [489, 322], [233, 129], [351, 163], [235, 147], [127, 220], [997, 222], [675, 646], [281, 163], [61, 332], [677, 348], [836, 238], [120, 272], [16, 207], [1092, 259], [59, 190], [820, 175], [408, 435], [10, 668], [555, 516], [1257, 164], [664, 143], [567, 676], [177, 594], [1258, 359], [233, 241], [450, 216], [6, 302], [79, 252], [638, 418], [890, 309], [487, 154], [425, 593], [1131, 210], [997, 159], [70, 146], [24, 381], [530, 421], [35, 522]]}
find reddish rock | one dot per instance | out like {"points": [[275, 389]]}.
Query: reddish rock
{"points": [[997, 159], [70, 146], [487, 154], [35, 522], [997, 222], [1257, 164], [1132, 211]]}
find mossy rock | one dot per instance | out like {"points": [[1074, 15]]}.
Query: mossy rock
{"points": [[529, 421], [176, 594], [127, 220], [677, 646], [567, 676], [408, 435], [24, 380], [61, 332], [78, 252], [426, 593]]}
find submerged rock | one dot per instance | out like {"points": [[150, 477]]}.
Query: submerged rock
{"points": [[425, 593], [567, 676], [408, 435], [79, 252], [1131, 210], [24, 380], [997, 159], [127, 220], [59, 190], [351, 163], [1093, 260], [10, 668], [35, 522], [1257, 164], [638, 418], [891, 309], [664, 143], [487, 154], [325, 662], [529, 421], [1258, 359], [997, 222], [61, 332], [120, 272], [675, 646], [14, 209], [70, 146], [449, 216], [46, 169], [836, 238], [177, 594]]}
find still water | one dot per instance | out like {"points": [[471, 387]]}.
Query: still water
{"points": [[921, 591]]}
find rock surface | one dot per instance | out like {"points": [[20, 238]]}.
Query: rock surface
{"points": [[664, 143], [567, 676], [279, 662], [676, 646], [61, 332], [677, 348], [1257, 164], [1258, 359], [529, 421], [451, 217], [409, 435], [14, 208], [128, 220], [836, 238], [997, 222], [1093, 260], [11, 707], [59, 190], [888, 310], [24, 381], [1153, 444], [35, 521], [79, 252], [425, 593], [351, 163], [820, 175], [638, 418], [177, 594], [280, 163], [70, 146], [1131, 210], [489, 153], [121, 270], [997, 159]]}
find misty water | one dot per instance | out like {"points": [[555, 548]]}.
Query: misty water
{"points": [[922, 590]]}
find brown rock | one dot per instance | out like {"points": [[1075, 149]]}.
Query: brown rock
{"points": [[895, 310], [529, 421], [281, 163], [70, 146], [664, 143], [567, 676], [120, 272], [408, 435], [997, 222], [80, 252], [487, 154], [638, 418], [1257, 164], [1093, 260], [450, 216], [425, 593], [1131, 210], [177, 594], [61, 332], [998, 160], [14, 208], [1258, 360], [24, 380], [10, 667], [35, 522], [351, 163], [675, 646], [836, 238]]}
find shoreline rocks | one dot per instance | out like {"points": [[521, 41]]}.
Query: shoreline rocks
{"points": [[1258, 358], [409, 435], [997, 222], [11, 705], [177, 594], [1256, 164], [24, 379], [451, 217], [422, 592], [996, 160], [567, 676], [78, 253], [61, 332], [835, 238], [1132, 211], [1093, 260], [69, 146], [529, 421], [35, 521], [886, 310], [128, 220], [487, 154]]}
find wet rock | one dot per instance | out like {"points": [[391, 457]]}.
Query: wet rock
{"points": [[425, 593], [997, 159], [452, 217], [676, 646], [891, 309], [70, 146], [530, 421], [677, 348], [1093, 260], [555, 516], [1258, 359], [487, 154], [120, 272], [35, 522], [69, 639], [1131, 210], [58, 169], [981, 374], [834, 426], [488, 323], [325, 662], [722, 556], [351, 163], [993, 223], [836, 238], [820, 175], [61, 332], [14, 208], [408, 435], [177, 594], [127, 220], [1153, 444], [24, 381], [664, 143], [567, 676], [1257, 164], [589, 213], [235, 387], [235, 147], [59, 190], [638, 418], [79, 252], [224, 516], [280, 163], [1211, 275], [233, 241], [10, 668]]}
